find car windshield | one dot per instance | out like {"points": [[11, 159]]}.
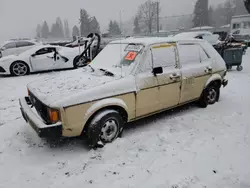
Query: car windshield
{"points": [[117, 58]]}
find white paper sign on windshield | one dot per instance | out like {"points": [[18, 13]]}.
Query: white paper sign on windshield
{"points": [[134, 47]]}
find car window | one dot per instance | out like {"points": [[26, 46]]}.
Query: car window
{"points": [[24, 44], [45, 51], [189, 54], [236, 25], [10, 45], [164, 55], [203, 55], [147, 65]]}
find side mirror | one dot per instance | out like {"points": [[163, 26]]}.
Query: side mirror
{"points": [[33, 55], [157, 70], [3, 48]]}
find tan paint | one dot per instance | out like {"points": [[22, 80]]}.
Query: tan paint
{"points": [[76, 119]]}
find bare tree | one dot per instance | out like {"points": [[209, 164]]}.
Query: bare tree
{"points": [[147, 16]]}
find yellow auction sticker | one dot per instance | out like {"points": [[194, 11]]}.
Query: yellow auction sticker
{"points": [[167, 45]]}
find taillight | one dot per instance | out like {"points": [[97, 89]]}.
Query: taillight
{"points": [[53, 115]]}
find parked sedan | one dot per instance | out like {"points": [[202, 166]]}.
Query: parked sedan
{"points": [[13, 47], [39, 58]]}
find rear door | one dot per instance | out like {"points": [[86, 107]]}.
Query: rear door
{"points": [[196, 68], [169, 82]]}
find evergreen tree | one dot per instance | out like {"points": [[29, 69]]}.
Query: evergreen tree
{"points": [[45, 30], [137, 29], [114, 28], [201, 17], [59, 27], [75, 31], [94, 25], [66, 29], [38, 31], [111, 27], [84, 22]]}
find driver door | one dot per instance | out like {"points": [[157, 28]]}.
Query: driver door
{"points": [[44, 59]]}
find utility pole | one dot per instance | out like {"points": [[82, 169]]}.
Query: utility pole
{"points": [[158, 16]]}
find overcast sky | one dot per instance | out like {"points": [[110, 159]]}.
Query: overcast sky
{"points": [[18, 18]]}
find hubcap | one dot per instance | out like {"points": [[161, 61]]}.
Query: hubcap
{"points": [[212, 94], [81, 62], [109, 130], [20, 69]]}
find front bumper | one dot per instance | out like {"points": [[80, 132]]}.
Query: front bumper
{"points": [[224, 82], [42, 129]]}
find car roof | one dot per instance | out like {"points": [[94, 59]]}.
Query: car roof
{"points": [[153, 40]]}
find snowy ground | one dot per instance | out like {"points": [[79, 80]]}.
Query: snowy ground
{"points": [[189, 147]]}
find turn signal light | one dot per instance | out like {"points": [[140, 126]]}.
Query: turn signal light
{"points": [[53, 115]]}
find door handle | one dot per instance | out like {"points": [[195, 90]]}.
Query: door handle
{"points": [[174, 76], [208, 69]]}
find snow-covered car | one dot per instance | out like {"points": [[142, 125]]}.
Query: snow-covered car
{"points": [[13, 47], [39, 58], [213, 39], [128, 80]]}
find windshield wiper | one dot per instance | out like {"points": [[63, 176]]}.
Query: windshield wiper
{"points": [[108, 73]]}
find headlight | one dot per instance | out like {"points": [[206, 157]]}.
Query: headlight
{"points": [[54, 116]]}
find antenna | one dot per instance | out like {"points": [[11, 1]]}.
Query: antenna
{"points": [[121, 38]]}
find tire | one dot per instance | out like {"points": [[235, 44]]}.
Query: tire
{"points": [[229, 67], [239, 68], [77, 65], [105, 127], [210, 95], [19, 68]]}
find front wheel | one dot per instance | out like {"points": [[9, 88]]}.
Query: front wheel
{"points": [[19, 68], [210, 95], [105, 127]]}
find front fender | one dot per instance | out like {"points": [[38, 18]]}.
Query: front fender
{"points": [[105, 103], [213, 78]]}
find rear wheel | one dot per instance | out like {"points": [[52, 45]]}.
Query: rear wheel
{"points": [[239, 68], [19, 68], [105, 127], [80, 62]]}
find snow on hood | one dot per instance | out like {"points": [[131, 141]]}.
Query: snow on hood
{"points": [[64, 84]]}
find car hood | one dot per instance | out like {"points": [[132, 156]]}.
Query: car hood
{"points": [[65, 84]]}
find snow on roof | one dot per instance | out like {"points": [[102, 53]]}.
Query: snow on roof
{"points": [[202, 28], [225, 26], [191, 34], [241, 16], [150, 40]]}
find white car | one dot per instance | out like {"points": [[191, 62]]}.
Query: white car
{"points": [[213, 39], [39, 58], [16, 47]]}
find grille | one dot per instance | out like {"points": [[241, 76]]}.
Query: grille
{"points": [[40, 108]]}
